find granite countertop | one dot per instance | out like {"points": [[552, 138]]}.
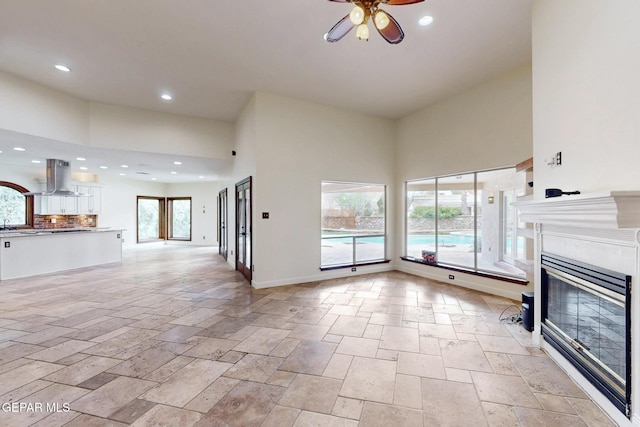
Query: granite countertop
{"points": [[52, 231]]}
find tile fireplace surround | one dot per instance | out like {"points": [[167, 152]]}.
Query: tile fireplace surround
{"points": [[602, 229]]}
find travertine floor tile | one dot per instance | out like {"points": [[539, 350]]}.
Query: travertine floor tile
{"points": [[174, 336], [309, 419], [167, 416], [187, 383], [112, 396], [450, 404], [398, 338], [377, 415], [370, 379], [247, 404], [505, 389]]}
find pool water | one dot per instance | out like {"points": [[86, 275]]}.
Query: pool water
{"points": [[450, 239]]}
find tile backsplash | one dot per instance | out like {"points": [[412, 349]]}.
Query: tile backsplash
{"points": [[65, 221]]}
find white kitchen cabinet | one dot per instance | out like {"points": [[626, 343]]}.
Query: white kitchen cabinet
{"points": [[91, 204], [56, 205], [60, 205]]}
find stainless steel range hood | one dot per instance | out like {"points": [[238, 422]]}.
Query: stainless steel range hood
{"points": [[58, 180]]}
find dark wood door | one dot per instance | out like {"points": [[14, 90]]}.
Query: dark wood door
{"points": [[243, 228], [223, 237]]}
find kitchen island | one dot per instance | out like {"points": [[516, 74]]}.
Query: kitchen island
{"points": [[31, 252]]}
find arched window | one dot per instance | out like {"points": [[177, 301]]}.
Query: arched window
{"points": [[16, 209]]}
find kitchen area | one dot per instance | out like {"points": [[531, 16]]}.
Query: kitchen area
{"points": [[64, 234]]}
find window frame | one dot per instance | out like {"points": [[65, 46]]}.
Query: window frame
{"points": [[29, 204], [170, 236], [476, 270], [354, 257]]}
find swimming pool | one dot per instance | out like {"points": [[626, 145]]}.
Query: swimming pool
{"points": [[447, 239]]}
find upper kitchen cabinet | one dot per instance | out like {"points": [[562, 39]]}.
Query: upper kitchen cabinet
{"points": [[91, 204], [55, 205]]}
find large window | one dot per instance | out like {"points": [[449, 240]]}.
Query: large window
{"points": [[467, 221], [353, 224], [162, 218], [16, 209], [179, 218]]}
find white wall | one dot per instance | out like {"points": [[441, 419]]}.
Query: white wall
{"points": [[486, 127], [585, 105], [203, 209], [244, 166], [585, 94], [29, 108], [299, 144], [126, 128]]}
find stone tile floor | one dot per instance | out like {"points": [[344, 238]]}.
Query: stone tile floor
{"points": [[173, 336]]}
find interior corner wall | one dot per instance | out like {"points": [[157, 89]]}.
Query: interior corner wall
{"points": [[585, 94], [243, 166], [488, 126], [203, 210], [299, 144]]}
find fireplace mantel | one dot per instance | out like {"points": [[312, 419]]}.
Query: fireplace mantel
{"points": [[608, 210]]}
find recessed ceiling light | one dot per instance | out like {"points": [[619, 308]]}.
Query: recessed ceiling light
{"points": [[35, 161], [83, 168], [201, 177], [82, 159], [124, 166], [174, 173], [166, 97], [153, 179], [104, 167], [19, 149], [177, 163], [61, 67], [425, 20], [122, 174]]}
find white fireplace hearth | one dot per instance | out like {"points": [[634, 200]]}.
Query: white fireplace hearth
{"points": [[601, 229]]}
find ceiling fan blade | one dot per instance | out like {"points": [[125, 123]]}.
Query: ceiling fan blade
{"points": [[392, 32], [340, 29], [397, 2]]}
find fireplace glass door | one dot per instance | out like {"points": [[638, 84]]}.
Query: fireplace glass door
{"points": [[586, 317], [590, 319]]}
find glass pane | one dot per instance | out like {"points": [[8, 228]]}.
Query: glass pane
{"points": [[369, 248], [241, 223], [148, 219], [181, 219], [247, 215], [12, 207], [498, 244], [352, 211], [455, 230], [421, 219]]}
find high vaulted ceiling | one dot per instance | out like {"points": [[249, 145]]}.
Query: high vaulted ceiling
{"points": [[212, 55]]}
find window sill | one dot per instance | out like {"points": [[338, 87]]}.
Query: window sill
{"points": [[523, 282], [360, 264]]}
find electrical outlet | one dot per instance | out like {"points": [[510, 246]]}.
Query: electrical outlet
{"points": [[353, 269], [451, 277], [203, 237], [7, 244]]}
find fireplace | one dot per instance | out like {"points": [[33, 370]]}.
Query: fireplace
{"points": [[586, 317]]}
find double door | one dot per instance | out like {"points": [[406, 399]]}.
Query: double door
{"points": [[222, 223]]}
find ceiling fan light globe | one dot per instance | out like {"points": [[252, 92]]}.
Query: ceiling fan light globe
{"points": [[381, 20], [357, 15], [363, 32]]}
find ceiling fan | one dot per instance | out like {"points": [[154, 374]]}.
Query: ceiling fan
{"points": [[363, 10]]}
